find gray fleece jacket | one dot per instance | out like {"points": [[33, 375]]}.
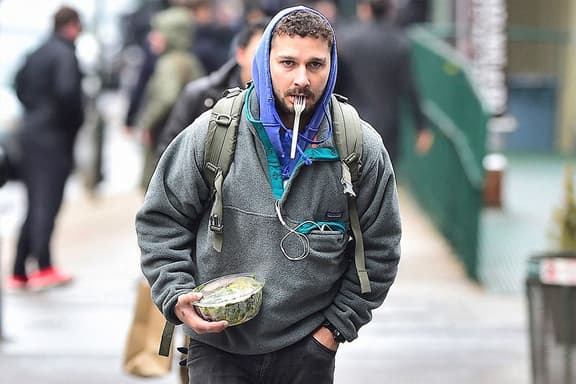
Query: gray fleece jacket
{"points": [[176, 242]]}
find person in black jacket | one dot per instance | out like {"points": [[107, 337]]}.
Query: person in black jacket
{"points": [[375, 74], [49, 87], [201, 94]]}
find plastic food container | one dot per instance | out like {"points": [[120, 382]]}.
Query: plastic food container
{"points": [[235, 298]]}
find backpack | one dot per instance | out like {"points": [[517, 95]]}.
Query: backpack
{"points": [[219, 149], [221, 144]]}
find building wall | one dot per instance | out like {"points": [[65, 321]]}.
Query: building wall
{"points": [[542, 60], [536, 35]]}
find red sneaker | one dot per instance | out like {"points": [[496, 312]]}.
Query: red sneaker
{"points": [[48, 278], [17, 283]]}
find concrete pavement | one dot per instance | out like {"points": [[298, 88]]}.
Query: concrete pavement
{"points": [[435, 327]]}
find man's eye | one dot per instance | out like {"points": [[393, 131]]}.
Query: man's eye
{"points": [[315, 66], [288, 63]]}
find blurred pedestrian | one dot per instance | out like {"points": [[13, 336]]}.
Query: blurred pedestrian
{"points": [[376, 75], [328, 8], [176, 66], [286, 220], [136, 28], [201, 94], [412, 12], [253, 11], [49, 87], [212, 38]]}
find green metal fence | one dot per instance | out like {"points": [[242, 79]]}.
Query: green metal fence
{"points": [[448, 181]]}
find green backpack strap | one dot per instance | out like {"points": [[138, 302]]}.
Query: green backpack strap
{"points": [[348, 138], [219, 152], [166, 339]]}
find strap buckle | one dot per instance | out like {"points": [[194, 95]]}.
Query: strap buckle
{"points": [[223, 119], [216, 224], [351, 159], [354, 164]]}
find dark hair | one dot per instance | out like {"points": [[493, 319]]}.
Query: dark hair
{"points": [[64, 16], [248, 31], [380, 8], [303, 24]]}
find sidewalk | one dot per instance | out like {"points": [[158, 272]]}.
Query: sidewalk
{"points": [[436, 327]]}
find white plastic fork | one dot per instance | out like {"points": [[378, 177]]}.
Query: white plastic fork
{"points": [[299, 105]]}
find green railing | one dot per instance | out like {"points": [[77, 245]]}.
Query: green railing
{"points": [[448, 181]]}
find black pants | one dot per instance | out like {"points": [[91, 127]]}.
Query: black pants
{"points": [[306, 362], [44, 173]]}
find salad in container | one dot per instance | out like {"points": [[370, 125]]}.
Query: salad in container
{"points": [[235, 298]]}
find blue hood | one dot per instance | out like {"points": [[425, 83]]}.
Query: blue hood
{"points": [[269, 116]]}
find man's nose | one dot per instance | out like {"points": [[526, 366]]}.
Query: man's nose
{"points": [[301, 79]]}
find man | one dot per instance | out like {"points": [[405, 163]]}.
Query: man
{"points": [[312, 300], [49, 87], [201, 94], [376, 75]]}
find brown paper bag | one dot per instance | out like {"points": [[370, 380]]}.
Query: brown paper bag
{"points": [[141, 356]]}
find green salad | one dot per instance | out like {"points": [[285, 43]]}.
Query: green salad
{"points": [[234, 298]]}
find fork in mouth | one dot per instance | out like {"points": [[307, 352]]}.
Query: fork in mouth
{"points": [[299, 105]]}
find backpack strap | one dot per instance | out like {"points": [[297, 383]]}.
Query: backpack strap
{"points": [[166, 339], [348, 138], [219, 152]]}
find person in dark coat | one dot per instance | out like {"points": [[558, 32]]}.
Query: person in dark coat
{"points": [[375, 73], [201, 94], [212, 37], [49, 87]]}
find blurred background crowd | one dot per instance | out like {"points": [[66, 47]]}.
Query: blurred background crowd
{"points": [[493, 81], [115, 45]]}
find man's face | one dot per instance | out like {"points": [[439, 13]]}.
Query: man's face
{"points": [[71, 30], [77, 28], [298, 66]]}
